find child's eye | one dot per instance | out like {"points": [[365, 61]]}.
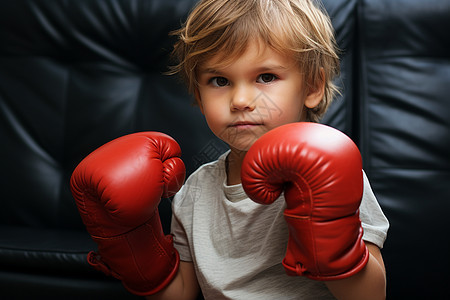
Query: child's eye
{"points": [[219, 81], [266, 78]]}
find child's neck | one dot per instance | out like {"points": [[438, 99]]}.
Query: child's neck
{"points": [[233, 165]]}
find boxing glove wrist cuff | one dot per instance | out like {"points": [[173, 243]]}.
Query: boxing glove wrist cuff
{"points": [[144, 259], [301, 270]]}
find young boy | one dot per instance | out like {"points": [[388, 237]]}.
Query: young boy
{"points": [[254, 65]]}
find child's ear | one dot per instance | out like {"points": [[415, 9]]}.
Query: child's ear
{"points": [[198, 99], [316, 91]]}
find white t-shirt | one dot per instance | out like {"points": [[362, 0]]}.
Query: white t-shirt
{"points": [[237, 245]]}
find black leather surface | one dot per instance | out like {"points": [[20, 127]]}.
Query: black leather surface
{"points": [[405, 137], [342, 111], [76, 74]]}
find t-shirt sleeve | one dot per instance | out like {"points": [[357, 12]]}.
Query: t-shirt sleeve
{"points": [[178, 226], [374, 222]]}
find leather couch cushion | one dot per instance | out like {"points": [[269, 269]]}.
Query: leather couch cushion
{"points": [[404, 136]]}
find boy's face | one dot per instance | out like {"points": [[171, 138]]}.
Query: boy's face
{"points": [[258, 91]]}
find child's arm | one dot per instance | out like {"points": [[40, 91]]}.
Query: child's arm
{"points": [[183, 287], [369, 283]]}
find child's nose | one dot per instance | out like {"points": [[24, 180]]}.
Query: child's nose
{"points": [[243, 98]]}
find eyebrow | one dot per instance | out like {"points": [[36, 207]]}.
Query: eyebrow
{"points": [[208, 71], [262, 69], [270, 67]]}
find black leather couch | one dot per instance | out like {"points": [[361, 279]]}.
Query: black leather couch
{"points": [[75, 74]]}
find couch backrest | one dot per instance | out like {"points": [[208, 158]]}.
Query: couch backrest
{"points": [[74, 75], [404, 135]]}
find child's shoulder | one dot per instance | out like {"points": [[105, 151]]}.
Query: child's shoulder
{"points": [[206, 180], [207, 173], [210, 169]]}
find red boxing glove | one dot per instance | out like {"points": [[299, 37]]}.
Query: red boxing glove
{"points": [[320, 171], [117, 189]]}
